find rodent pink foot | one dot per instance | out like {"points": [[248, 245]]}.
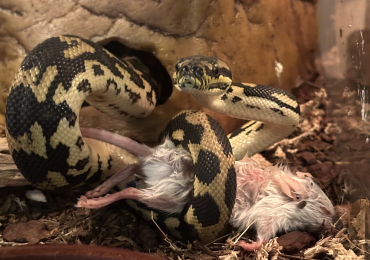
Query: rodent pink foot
{"points": [[96, 203], [250, 246], [119, 176]]}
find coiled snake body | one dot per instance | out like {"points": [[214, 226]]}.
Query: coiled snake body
{"points": [[276, 111], [55, 78]]}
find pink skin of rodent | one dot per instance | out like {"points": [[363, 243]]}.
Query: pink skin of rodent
{"points": [[275, 200], [130, 193], [120, 141], [271, 200]]}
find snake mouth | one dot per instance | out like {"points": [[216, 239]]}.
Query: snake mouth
{"points": [[186, 82]]}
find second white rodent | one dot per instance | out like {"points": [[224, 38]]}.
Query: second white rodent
{"points": [[275, 200]]}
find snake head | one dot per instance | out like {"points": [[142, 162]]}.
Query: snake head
{"points": [[199, 74]]}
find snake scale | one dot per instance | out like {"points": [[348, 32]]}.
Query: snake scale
{"points": [[59, 74]]}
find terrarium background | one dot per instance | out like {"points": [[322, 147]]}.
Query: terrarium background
{"points": [[298, 45], [266, 42]]}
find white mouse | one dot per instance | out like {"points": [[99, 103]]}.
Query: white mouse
{"points": [[275, 200]]}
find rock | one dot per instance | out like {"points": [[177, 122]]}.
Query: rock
{"points": [[295, 241], [30, 232], [266, 42]]}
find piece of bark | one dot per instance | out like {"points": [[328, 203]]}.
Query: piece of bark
{"points": [[9, 173], [295, 241]]}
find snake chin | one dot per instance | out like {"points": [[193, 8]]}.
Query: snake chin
{"points": [[167, 177]]}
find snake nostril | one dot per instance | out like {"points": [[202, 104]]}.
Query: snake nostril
{"points": [[185, 69]]}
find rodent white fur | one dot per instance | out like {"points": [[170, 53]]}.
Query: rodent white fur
{"points": [[261, 202], [168, 175]]}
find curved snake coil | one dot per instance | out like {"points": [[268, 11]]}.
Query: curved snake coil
{"points": [[59, 74], [274, 112]]}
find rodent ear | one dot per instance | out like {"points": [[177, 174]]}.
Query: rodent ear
{"points": [[291, 187]]}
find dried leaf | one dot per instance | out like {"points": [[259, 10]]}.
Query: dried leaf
{"points": [[30, 232]]}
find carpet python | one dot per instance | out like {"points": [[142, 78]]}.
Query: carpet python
{"points": [[59, 74]]}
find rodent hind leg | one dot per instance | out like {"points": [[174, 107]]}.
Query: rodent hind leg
{"points": [[119, 176], [118, 140], [96, 203]]}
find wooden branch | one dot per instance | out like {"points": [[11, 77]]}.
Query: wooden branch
{"points": [[9, 174]]}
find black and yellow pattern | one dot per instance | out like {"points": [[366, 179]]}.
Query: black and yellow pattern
{"points": [[61, 73], [206, 216], [45, 99], [275, 112], [215, 178], [46, 143]]}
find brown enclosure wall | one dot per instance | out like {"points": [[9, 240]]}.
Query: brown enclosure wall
{"points": [[263, 41]]}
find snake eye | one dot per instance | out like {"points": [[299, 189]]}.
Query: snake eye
{"points": [[216, 70]]}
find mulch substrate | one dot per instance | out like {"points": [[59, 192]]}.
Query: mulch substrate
{"points": [[329, 143]]}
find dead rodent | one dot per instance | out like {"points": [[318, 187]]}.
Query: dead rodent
{"points": [[275, 200]]}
